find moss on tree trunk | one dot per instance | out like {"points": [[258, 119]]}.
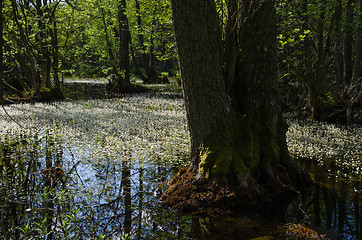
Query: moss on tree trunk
{"points": [[239, 151]]}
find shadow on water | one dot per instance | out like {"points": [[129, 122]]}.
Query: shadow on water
{"points": [[47, 193], [335, 202]]}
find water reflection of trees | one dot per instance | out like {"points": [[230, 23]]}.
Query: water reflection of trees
{"points": [[47, 192], [43, 185], [334, 202], [332, 207], [21, 180]]}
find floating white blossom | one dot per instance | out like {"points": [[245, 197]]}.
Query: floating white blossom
{"points": [[321, 141], [141, 125], [155, 127]]}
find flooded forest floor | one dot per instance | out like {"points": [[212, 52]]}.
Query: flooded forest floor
{"points": [[90, 167]]}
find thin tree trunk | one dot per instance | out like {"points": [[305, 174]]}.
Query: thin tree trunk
{"points": [[44, 55], [111, 55], [30, 66], [357, 69], [123, 82], [138, 71], [143, 56], [355, 89], [55, 50], [348, 42], [109, 45], [150, 66], [55, 54], [315, 83], [338, 44], [140, 29], [1, 53], [307, 57]]}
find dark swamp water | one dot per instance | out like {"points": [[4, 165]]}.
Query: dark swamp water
{"points": [[60, 184]]}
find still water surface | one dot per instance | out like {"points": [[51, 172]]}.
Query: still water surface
{"points": [[55, 195], [54, 188]]}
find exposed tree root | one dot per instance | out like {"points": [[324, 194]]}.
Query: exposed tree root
{"points": [[188, 194]]}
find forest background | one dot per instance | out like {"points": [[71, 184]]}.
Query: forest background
{"points": [[45, 41]]}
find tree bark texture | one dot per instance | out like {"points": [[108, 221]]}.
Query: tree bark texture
{"points": [[150, 73], [200, 61], [348, 42], [338, 43], [108, 41], [355, 89], [123, 82], [150, 65], [357, 69], [44, 57], [26, 60], [231, 95], [1, 52], [261, 127], [55, 52]]}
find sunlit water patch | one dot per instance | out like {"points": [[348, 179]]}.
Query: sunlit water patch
{"points": [[95, 170]]}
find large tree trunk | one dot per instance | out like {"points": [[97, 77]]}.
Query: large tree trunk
{"points": [[237, 139], [256, 92], [200, 61]]}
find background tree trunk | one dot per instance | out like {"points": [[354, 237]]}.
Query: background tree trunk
{"points": [[1, 52], [26, 60], [338, 43], [55, 51], [123, 82], [354, 91], [44, 58], [150, 73], [308, 61], [357, 69], [348, 42], [150, 65]]}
